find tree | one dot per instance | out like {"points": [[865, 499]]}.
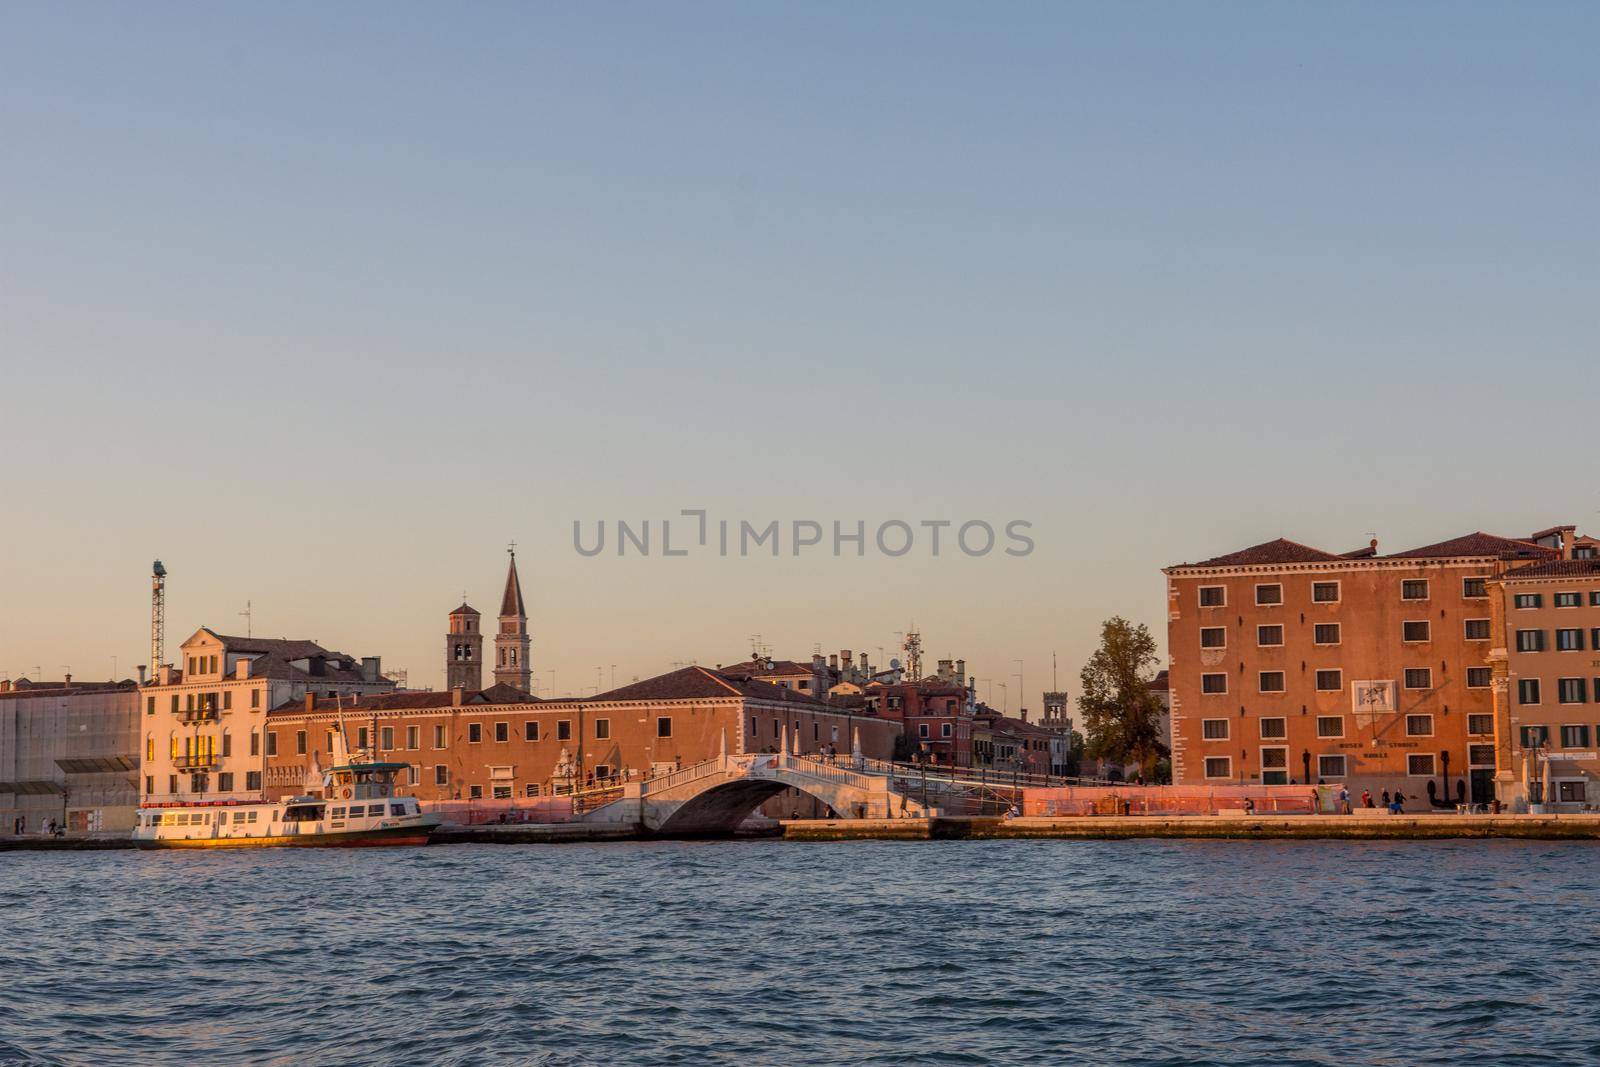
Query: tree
{"points": [[1121, 716]]}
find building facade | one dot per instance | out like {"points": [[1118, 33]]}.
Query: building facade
{"points": [[1546, 661], [501, 743], [203, 721], [1292, 664], [69, 753]]}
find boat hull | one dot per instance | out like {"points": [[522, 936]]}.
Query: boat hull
{"points": [[377, 837]]}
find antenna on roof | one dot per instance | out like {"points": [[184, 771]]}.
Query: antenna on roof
{"points": [[249, 620]]}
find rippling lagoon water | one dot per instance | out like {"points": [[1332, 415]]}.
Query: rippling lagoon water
{"points": [[1042, 952]]}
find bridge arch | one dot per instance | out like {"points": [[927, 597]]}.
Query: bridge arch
{"points": [[723, 807]]}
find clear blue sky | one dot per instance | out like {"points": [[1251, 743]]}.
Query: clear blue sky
{"points": [[323, 304]]}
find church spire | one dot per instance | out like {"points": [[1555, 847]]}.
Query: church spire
{"points": [[511, 602], [513, 654]]}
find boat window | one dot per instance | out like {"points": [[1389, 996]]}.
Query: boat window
{"points": [[336, 813], [397, 809], [374, 809]]}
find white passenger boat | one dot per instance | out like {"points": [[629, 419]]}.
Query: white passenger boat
{"points": [[358, 807]]}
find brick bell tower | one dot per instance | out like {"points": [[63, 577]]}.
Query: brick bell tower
{"points": [[463, 650], [513, 654]]}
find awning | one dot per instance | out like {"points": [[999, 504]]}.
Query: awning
{"points": [[32, 789], [98, 764]]}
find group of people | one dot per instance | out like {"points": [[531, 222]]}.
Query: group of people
{"points": [[51, 827]]}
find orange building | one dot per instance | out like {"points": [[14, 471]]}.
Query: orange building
{"points": [[502, 743], [1547, 681], [1290, 664]]}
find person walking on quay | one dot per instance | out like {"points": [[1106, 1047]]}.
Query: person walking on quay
{"points": [[1386, 798], [1366, 798], [1344, 800]]}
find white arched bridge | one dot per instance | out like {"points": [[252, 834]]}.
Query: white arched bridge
{"points": [[718, 794]]}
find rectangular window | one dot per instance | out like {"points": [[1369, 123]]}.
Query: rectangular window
{"points": [[502, 792], [252, 779], [1269, 636], [255, 698], [602, 729], [1569, 640], [1479, 677], [1420, 764], [563, 729], [1575, 737], [1480, 725], [1419, 678], [530, 730], [1569, 600], [1573, 791], [1213, 637], [1572, 691], [1326, 633], [255, 743], [1213, 683], [150, 709], [299, 742], [475, 792], [1325, 592], [1330, 681], [922, 730], [1480, 755], [1530, 640], [1535, 736], [1267, 595], [386, 738], [1419, 725], [1330, 767], [1330, 725], [1271, 681], [272, 743], [441, 774], [474, 733], [1213, 596], [1219, 767], [1414, 631], [1414, 589], [1527, 691], [413, 774], [1214, 729], [532, 789], [1475, 588], [664, 726], [1272, 729], [413, 737], [502, 732], [440, 738], [1476, 629], [225, 782], [1528, 600]]}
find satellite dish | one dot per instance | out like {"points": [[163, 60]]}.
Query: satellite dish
{"points": [[894, 664]]}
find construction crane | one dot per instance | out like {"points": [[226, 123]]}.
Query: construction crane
{"points": [[158, 618]]}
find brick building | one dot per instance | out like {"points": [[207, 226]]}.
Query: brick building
{"points": [[503, 743], [1289, 663]]}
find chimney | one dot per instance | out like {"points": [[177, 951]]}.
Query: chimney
{"points": [[1024, 714], [847, 658], [5, 685], [311, 701], [67, 682], [816, 661], [458, 696], [833, 663], [961, 671], [141, 673], [371, 669]]}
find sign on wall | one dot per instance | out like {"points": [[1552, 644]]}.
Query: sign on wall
{"points": [[1373, 698]]}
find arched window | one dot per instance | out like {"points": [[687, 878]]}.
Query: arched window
{"points": [[227, 743], [173, 738], [149, 748]]}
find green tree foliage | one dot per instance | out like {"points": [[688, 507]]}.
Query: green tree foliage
{"points": [[1121, 716]]}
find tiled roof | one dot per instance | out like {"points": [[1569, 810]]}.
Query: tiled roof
{"points": [[1477, 544], [274, 646], [690, 683], [466, 609], [1159, 683], [1558, 568], [759, 668], [1268, 552], [401, 701]]}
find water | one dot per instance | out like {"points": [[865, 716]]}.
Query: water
{"points": [[1043, 952]]}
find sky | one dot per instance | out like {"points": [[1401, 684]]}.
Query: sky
{"points": [[326, 305]]}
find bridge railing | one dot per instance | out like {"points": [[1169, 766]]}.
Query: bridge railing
{"points": [[683, 775]]}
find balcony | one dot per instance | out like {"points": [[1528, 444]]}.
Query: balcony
{"points": [[203, 761], [197, 715]]}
